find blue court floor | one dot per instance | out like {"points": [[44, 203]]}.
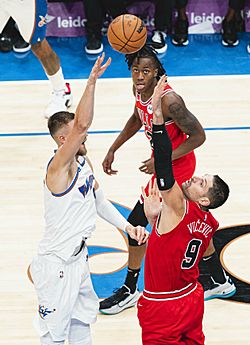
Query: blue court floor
{"points": [[204, 55]]}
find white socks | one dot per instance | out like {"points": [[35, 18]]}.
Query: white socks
{"points": [[57, 81]]}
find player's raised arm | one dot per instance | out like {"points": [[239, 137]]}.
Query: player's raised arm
{"points": [[171, 193], [83, 119]]}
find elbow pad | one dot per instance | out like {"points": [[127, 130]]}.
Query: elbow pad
{"points": [[163, 157]]}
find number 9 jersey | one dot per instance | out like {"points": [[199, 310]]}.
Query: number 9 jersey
{"points": [[171, 263]]}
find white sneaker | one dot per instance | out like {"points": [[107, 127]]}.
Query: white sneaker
{"points": [[248, 48], [158, 41], [217, 290], [60, 101], [120, 300]]}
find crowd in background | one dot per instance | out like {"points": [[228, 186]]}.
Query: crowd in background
{"points": [[166, 23]]}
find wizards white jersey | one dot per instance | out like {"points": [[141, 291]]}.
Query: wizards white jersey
{"points": [[69, 216]]}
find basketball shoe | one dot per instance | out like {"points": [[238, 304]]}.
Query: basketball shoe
{"points": [[158, 41], [120, 300], [180, 36], [60, 101], [229, 34], [94, 44], [216, 290]]}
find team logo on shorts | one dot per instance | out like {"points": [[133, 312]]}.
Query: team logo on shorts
{"points": [[42, 21], [43, 312], [150, 109]]}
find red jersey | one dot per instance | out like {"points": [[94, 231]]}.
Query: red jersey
{"points": [[183, 167], [171, 263]]}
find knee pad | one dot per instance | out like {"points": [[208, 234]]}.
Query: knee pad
{"points": [[137, 217]]}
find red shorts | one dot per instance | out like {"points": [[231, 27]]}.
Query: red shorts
{"points": [[183, 169], [172, 322]]}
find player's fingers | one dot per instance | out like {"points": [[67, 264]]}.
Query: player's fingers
{"points": [[140, 234], [143, 192], [144, 234]]}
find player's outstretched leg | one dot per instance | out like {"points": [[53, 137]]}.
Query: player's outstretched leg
{"points": [[61, 92], [127, 295]]}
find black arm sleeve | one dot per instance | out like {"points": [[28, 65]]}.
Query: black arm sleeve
{"points": [[163, 157]]}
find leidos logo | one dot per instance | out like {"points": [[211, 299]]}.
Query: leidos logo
{"points": [[70, 22]]}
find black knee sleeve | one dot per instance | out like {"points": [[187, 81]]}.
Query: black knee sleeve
{"points": [[137, 217]]}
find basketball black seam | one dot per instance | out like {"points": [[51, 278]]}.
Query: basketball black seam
{"points": [[126, 44], [139, 38], [116, 35]]}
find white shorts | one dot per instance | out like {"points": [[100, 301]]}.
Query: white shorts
{"points": [[30, 16], [65, 292]]}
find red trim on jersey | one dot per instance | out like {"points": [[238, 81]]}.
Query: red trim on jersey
{"points": [[169, 295]]}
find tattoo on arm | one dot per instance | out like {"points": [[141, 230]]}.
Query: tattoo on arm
{"points": [[184, 119]]}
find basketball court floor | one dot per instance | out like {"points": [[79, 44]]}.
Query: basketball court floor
{"points": [[215, 84]]}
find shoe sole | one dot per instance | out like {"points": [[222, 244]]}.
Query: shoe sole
{"points": [[21, 50], [94, 52], [230, 294], [130, 304], [161, 50], [184, 44], [225, 44]]}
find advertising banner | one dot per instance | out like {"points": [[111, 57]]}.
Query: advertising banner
{"points": [[68, 19]]}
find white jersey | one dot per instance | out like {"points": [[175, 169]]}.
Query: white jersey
{"points": [[70, 216]]}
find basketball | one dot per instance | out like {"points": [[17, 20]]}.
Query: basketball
{"points": [[127, 34]]}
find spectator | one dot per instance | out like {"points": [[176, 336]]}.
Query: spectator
{"points": [[11, 39], [230, 23], [163, 14], [180, 32], [95, 11]]}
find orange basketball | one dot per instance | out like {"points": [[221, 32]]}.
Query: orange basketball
{"points": [[127, 34]]}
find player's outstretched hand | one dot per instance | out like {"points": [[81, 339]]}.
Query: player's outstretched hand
{"points": [[152, 202], [148, 166], [156, 99], [99, 68], [107, 164], [138, 233]]}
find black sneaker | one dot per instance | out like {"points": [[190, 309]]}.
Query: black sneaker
{"points": [[120, 300], [229, 34], [6, 44], [180, 36], [21, 46], [94, 45], [158, 41]]}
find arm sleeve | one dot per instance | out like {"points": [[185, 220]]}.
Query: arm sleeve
{"points": [[108, 212], [163, 157]]}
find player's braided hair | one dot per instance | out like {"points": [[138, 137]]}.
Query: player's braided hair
{"points": [[146, 52]]}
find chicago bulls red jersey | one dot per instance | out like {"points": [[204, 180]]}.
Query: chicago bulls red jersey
{"points": [[183, 167], [171, 262]]}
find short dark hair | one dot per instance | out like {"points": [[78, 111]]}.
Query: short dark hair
{"points": [[218, 194], [58, 120], [146, 52]]}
